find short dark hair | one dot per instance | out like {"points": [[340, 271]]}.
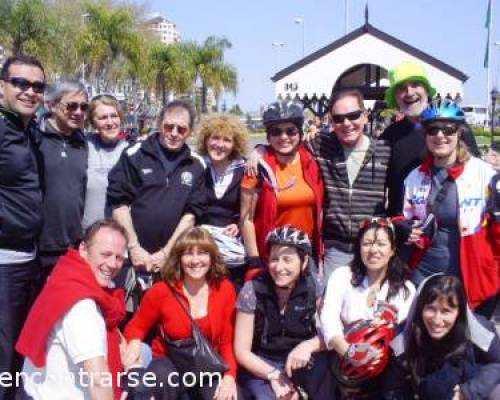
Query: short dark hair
{"points": [[20, 59], [92, 230], [340, 94], [178, 104]]}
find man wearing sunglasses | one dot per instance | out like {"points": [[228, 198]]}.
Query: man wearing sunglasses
{"points": [[22, 82], [409, 91], [63, 157], [156, 188]]}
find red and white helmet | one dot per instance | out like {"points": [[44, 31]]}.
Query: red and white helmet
{"points": [[370, 354]]}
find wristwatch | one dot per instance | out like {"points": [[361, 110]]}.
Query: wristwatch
{"points": [[273, 375]]}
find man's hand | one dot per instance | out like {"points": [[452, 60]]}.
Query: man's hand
{"points": [[231, 230], [131, 354], [158, 260], [141, 259], [283, 388]]}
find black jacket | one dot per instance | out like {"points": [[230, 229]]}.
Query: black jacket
{"points": [[408, 147], [477, 374], [20, 195], [157, 199], [63, 166]]}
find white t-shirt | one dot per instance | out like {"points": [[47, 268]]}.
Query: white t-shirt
{"points": [[80, 335], [345, 304]]}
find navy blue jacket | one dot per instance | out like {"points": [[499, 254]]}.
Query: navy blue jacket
{"points": [[20, 195], [157, 198]]}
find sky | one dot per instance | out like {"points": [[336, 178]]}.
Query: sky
{"points": [[451, 30]]}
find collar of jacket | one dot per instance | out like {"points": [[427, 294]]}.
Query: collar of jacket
{"points": [[453, 172], [77, 136], [11, 117], [150, 147]]}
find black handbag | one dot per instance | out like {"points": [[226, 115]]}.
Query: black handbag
{"points": [[194, 354]]}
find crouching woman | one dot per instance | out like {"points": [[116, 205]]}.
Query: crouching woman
{"points": [[445, 351], [276, 341]]}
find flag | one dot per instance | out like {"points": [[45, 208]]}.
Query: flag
{"points": [[487, 25]]}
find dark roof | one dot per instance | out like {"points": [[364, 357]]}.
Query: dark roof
{"points": [[367, 28]]}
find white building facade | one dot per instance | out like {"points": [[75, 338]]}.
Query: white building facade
{"points": [[361, 60], [163, 28]]}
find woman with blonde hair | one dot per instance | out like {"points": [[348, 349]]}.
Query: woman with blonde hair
{"points": [[222, 141], [193, 280], [447, 223]]}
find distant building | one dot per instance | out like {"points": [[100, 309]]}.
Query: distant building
{"points": [[361, 60], [163, 28]]}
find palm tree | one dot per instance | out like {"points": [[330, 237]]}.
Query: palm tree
{"points": [[109, 40], [211, 70]]}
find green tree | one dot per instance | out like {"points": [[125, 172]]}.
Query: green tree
{"points": [[236, 109], [109, 40], [212, 72], [24, 24]]}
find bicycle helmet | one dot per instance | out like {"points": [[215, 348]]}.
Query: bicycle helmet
{"points": [[445, 110], [374, 345], [283, 112], [287, 235]]}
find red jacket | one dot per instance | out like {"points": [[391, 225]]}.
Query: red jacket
{"points": [[479, 233], [266, 211], [159, 306]]}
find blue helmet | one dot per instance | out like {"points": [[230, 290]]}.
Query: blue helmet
{"points": [[447, 111]]}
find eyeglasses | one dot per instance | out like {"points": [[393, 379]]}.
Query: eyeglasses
{"points": [[170, 128], [448, 130], [378, 221], [351, 116], [104, 96], [277, 132], [73, 106], [25, 84]]}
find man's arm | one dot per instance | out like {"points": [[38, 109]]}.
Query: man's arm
{"points": [[140, 258], [98, 374]]}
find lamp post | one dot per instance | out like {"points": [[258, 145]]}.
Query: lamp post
{"points": [[494, 94], [84, 17], [278, 46], [300, 21]]}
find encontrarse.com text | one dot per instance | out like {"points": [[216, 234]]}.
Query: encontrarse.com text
{"points": [[84, 379]]}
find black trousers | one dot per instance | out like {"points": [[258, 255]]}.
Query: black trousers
{"points": [[18, 284]]}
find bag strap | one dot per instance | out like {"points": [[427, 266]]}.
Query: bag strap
{"points": [[437, 197], [179, 300]]}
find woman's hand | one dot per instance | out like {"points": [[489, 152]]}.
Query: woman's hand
{"points": [[298, 358], [415, 234], [131, 353], [158, 260], [457, 393], [255, 156], [283, 388], [231, 230], [227, 389]]}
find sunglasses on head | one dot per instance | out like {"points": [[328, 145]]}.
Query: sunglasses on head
{"points": [[448, 130], [170, 128], [72, 106], [277, 132], [351, 116], [25, 84], [378, 221]]}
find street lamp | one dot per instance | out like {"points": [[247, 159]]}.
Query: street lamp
{"points": [[278, 46], [84, 17], [300, 21], [494, 95]]}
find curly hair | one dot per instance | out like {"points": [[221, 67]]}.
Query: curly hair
{"points": [[397, 271], [172, 271], [224, 125]]}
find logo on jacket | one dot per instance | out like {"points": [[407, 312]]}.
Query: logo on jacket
{"points": [[146, 171], [187, 178]]}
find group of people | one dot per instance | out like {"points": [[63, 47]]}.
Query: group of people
{"points": [[297, 266]]}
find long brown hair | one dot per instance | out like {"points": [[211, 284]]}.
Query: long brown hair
{"points": [[172, 271]]}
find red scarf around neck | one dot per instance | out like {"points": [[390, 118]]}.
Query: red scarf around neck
{"points": [[72, 280]]}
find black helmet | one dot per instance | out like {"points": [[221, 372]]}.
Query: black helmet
{"points": [[283, 112], [287, 235]]}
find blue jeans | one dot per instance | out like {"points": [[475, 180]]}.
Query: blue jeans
{"points": [[17, 289]]}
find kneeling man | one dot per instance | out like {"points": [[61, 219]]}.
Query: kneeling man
{"points": [[71, 338]]}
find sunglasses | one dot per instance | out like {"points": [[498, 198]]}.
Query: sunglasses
{"points": [[351, 116], [448, 130], [170, 128], [378, 221], [277, 132], [73, 106], [25, 84]]}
